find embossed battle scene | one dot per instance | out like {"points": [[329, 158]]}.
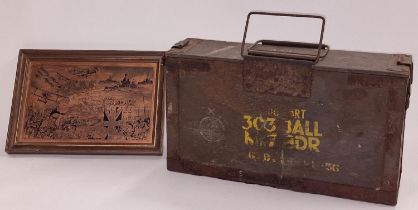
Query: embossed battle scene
{"points": [[80, 102]]}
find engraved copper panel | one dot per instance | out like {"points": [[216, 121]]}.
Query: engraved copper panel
{"points": [[105, 102]]}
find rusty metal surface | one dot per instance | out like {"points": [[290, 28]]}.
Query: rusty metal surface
{"points": [[335, 128], [264, 75]]}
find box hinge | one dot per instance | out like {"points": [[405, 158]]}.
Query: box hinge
{"points": [[406, 60], [181, 44], [163, 60]]}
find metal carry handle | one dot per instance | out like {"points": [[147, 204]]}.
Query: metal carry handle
{"points": [[320, 45]]}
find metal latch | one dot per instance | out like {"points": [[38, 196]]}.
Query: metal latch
{"points": [[285, 49]]}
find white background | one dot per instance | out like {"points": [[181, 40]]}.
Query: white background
{"points": [[137, 182]]}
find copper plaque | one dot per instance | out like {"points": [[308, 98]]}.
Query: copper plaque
{"points": [[90, 102]]}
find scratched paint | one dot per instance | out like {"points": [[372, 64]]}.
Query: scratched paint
{"points": [[267, 136], [301, 134]]}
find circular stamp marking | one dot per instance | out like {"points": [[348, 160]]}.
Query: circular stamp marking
{"points": [[212, 129]]}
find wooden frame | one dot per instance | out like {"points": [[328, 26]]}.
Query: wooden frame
{"points": [[87, 102]]}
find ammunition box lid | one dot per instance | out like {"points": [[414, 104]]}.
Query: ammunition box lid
{"points": [[336, 60]]}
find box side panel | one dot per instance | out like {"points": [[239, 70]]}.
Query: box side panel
{"points": [[342, 139], [172, 107]]}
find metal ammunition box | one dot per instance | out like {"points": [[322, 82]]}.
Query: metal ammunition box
{"points": [[288, 115]]}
